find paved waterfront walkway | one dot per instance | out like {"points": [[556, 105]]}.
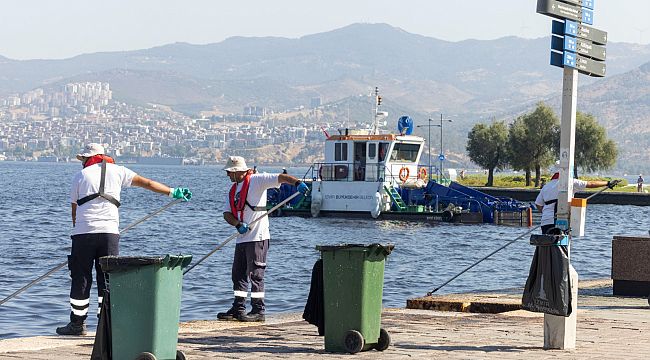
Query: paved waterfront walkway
{"points": [[608, 328]]}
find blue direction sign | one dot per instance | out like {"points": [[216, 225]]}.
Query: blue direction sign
{"points": [[561, 10], [580, 46], [585, 32], [589, 4], [584, 65], [564, 43], [589, 49], [441, 157]]}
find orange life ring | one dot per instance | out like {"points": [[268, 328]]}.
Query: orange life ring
{"points": [[423, 173], [403, 174]]}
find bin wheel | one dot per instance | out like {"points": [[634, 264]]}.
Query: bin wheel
{"points": [[353, 341], [180, 355], [146, 356], [384, 340]]}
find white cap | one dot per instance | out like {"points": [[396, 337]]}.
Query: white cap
{"points": [[89, 150], [556, 167], [236, 163]]}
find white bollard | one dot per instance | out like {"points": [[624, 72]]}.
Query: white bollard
{"points": [[578, 216]]}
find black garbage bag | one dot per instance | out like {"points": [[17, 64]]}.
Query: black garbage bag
{"points": [[102, 346], [548, 288], [315, 308]]}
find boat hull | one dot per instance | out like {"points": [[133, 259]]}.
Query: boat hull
{"points": [[461, 218]]}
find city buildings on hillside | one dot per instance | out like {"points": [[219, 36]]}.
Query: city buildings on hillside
{"points": [[55, 123]]}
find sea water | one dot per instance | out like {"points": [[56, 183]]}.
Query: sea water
{"points": [[35, 226]]}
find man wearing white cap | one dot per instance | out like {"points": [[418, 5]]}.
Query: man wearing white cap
{"points": [[95, 198], [245, 203]]}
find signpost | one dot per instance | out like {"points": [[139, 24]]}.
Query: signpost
{"points": [[576, 29], [584, 65], [579, 46], [575, 47], [565, 10]]}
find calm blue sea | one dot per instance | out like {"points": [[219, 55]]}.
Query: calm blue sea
{"points": [[35, 224]]}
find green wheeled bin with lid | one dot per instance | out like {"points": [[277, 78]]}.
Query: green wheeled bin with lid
{"points": [[353, 282], [145, 303]]}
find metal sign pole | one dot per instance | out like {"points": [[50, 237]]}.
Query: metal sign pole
{"points": [[441, 152], [560, 331], [577, 48]]}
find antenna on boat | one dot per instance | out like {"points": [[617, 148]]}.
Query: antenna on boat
{"points": [[377, 113]]}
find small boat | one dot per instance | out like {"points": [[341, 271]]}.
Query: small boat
{"points": [[367, 174]]}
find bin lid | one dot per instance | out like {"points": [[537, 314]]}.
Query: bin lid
{"points": [[388, 248], [122, 263]]}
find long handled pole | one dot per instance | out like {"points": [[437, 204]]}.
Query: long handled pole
{"points": [[56, 268], [484, 258], [508, 243], [229, 238]]}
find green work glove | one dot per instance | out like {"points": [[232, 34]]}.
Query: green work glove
{"points": [[181, 193]]}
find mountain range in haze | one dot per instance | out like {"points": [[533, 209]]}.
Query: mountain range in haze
{"points": [[474, 80]]}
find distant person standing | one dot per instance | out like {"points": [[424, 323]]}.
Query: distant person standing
{"points": [[639, 184], [246, 203], [95, 198], [284, 171], [546, 201]]}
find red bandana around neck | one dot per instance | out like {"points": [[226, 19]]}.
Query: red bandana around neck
{"points": [[96, 159], [237, 208], [555, 176]]}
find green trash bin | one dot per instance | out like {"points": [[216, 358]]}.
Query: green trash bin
{"points": [[145, 303], [353, 281]]}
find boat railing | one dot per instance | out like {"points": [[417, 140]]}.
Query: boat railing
{"points": [[354, 171], [311, 169]]}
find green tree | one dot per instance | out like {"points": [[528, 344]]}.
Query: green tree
{"points": [[593, 151], [518, 148], [542, 129], [487, 147]]}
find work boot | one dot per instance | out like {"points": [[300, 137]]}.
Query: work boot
{"points": [[76, 329], [230, 315], [252, 317]]}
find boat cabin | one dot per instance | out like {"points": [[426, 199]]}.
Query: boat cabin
{"points": [[371, 158]]}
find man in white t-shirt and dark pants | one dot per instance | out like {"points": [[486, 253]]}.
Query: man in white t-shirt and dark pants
{"points": [[245, 203], [546, 201], [95, 198]]}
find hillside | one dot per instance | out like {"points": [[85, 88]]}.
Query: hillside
{"points": [[473, 80]]}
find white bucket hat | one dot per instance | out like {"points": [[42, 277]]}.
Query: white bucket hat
{"points": [[89, 150], [236, 163], [555, 168]]}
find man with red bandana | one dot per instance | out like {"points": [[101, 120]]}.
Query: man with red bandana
{"points": [[95, 198], [245, 203]]}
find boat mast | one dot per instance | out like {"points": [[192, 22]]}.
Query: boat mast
{"points": [[375, 122]]}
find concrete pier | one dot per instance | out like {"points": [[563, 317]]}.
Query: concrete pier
{"points": [[608, 328]]}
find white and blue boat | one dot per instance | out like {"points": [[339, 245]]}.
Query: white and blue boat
{"points": [[369, 174]]}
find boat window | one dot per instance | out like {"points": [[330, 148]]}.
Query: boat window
{"points": [[383, 149], [372, 151], [341, 152], [405, 152]]}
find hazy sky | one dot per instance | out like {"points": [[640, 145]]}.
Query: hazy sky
{"points": [[64, 28]]}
